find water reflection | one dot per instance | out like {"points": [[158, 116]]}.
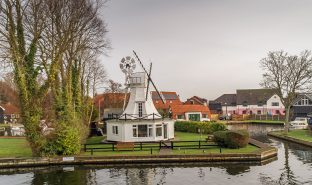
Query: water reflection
{"points": [[292, 167]]}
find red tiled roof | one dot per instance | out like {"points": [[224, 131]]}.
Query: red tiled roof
{"points": [[189, 108], [10, 108], [197, 99], [171, 99], [110, 100]]}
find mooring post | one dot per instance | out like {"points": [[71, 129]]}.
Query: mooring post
{"points": [[220, 150], [113, 146], [151, 151], [141, 145]]}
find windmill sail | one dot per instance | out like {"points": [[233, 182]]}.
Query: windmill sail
{"points": [[149, 78]]}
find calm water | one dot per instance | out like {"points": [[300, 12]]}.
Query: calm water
{"points": [[293, 166]]}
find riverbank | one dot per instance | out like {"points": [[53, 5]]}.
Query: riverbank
{"points": [[302, 137], [264, 154]]}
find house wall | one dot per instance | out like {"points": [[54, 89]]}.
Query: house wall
{"points": [[273, 109], [229, 109], [267, 108], [125, 130]]}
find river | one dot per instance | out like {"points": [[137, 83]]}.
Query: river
{"points": [[293, 166]]}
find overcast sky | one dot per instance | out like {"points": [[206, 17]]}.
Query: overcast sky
{"points": [[205, 47]]}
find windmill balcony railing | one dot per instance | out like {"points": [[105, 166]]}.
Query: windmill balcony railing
{"points": [[126, 117]]}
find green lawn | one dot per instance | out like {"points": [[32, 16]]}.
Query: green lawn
{"points": [[179, 136], [186, 136], [299, 134], [255, 121], [14, 147], [214, 150]]}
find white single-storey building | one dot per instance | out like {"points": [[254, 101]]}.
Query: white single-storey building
{"points": [[140, 121]]}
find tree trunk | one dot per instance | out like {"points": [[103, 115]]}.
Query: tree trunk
{"points": [[286, 128]]}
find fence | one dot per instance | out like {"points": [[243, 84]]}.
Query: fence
{"points": [[149, 146], [258, 117]]}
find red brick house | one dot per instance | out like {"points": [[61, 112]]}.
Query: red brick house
{"points": [[197, 111], [191, 112], [195, 100], [171, 99], [110, 105], [9, 113]]}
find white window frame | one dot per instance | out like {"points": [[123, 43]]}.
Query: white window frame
{"points": [[115, 130], [161, 128], [140, 109]]}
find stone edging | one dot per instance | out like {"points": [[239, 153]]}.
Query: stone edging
{"points": [[264, 153], [287, 138]]}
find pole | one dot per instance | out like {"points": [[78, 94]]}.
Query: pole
{"points": [[99, 110]]}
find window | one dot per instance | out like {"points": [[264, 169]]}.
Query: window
{"points": [[275, 104], [140, 109], [245, 103], [277, 112], [150, 130], [135, 80], [180, 117], [135, 131], [244, 112], [192, 102], [142, 130], [259, 112], [204, 115], [158, 130], [115, 130], [304, 101]]}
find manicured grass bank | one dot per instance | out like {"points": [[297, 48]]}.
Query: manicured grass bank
{"points": [[179, 136], [304, 135], [14, 147]]}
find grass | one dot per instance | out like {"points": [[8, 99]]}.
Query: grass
{"points": [[179, 136], [214, 150], [186, 136], [304, 135], [255, 121], [14, 147]]}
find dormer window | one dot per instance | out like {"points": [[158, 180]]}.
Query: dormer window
{"points": [[192, 102]]}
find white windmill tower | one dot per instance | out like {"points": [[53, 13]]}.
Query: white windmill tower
{"points": [[140, 120]]}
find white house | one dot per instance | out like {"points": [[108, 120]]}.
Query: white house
{"points": [[140, 121], [252, 101]]}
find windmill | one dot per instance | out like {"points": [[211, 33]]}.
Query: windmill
{"points": [[127, 66], [149, 79]]}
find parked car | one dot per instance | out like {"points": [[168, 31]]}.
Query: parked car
{"points": [[299, 123], [225, 117], [310, 124]]}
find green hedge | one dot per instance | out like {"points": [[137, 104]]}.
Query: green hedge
{"points": [[194, 126], [232, 139]]}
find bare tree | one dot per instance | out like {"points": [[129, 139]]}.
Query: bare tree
{"points": [[289, 75], [96, 77], [113, 87]]}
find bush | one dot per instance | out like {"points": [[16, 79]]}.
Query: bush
{"points": [[232, 139], [194, 126]]}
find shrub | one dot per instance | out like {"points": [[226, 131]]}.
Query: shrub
{"points": [[232, 139], [194, 126]]}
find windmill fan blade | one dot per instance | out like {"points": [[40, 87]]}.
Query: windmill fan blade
{"points": [[149, 77], [148, 82]]}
